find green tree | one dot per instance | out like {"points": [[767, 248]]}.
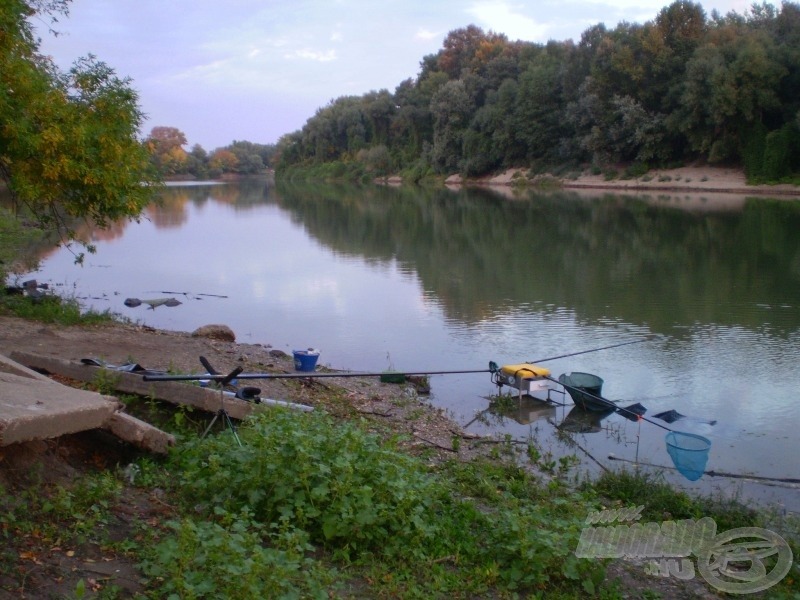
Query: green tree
{"points": [[198, 161], [451, 107], [729, 89], [68, 141], [538, 116], [251, 158]]}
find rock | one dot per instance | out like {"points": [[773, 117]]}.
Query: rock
{"points": [[161, 302], [215, 332], [132, 302]]}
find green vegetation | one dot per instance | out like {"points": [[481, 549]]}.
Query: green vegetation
{"points": [[304, 484], [683, 87], [50, 308], [311, 506], [662, 501], [69, 140]]}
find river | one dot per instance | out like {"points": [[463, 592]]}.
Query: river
{"points": [[421, 280]]}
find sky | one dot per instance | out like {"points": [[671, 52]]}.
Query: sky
{"points": [[254, 70]]}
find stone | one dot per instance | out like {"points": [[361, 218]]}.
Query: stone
{"points": [[215, 332]]}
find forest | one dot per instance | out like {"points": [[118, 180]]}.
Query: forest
{"points": [[170, 160], [684, 87]]}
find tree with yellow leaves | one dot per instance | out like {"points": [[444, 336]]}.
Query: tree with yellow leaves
{"points": [[68, 141]]}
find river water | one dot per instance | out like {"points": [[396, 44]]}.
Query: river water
{"points": [[426, 280]]}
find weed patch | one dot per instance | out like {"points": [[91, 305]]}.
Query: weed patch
{"points": [[304, 485]]}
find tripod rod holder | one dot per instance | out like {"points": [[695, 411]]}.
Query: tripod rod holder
{"points": [[229, 377]]}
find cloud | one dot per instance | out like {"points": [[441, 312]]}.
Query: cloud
{"points": [[314, 55], [424, 34], [501, 16]]}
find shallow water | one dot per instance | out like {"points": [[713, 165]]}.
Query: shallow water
{"points": [[413, 280]]}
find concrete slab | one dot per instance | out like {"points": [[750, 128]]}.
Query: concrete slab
{"points": [[33, 409], [205, 399], [8, 365]]}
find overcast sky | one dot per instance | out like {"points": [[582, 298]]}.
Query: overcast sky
{"points": [[225, 70]]}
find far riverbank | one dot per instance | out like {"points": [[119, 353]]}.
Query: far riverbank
{"points": [[692, 179]]}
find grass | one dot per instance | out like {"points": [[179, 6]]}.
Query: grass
{"points": [[662, 501], [50, 308]]}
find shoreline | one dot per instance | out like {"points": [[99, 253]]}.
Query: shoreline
{"points": [[689, 180]]}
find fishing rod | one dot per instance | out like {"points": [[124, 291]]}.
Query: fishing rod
{"points": [[646, 338], [611, 405], [315, 375], [755, 478]]}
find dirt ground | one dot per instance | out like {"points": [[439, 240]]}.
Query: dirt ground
{"points": [[180, 352]]}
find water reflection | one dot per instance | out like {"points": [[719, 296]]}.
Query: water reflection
{"points": [[603, 259], [439, 279], [524, 410], [580, 420]]}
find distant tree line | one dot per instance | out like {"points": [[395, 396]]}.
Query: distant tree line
{"points": [[168, 156], [683, 87]]}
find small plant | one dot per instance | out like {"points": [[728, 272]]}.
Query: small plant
{"points": [[503, 403], [304, 486], [636, 170], [566, 463], [534, 455], [105, 381]]}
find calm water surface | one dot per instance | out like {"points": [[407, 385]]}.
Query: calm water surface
{"points": [[448, 280]]}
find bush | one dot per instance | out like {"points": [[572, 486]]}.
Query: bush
{"points": [[336, 483], [306, 478], [210, 560], [636, 170]]}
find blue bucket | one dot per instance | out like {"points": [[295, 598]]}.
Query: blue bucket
{"points": [[305, 360]]}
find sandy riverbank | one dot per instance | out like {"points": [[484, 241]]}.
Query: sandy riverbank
{"points": [[705, 179]]}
